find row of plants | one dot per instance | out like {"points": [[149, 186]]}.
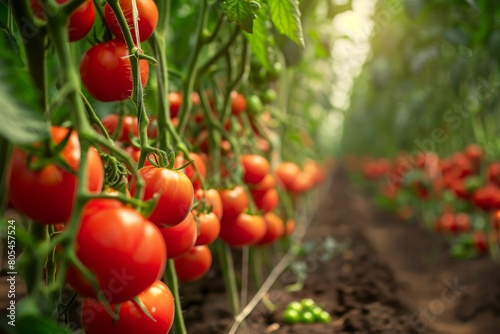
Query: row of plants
{"points": [[141, 140], [427, 101]]}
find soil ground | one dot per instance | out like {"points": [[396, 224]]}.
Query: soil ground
{"points": [[393, 278]]}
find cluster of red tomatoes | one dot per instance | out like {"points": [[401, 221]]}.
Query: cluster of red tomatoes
{"points": [[126, 251], [105, 68], [465, 183]]}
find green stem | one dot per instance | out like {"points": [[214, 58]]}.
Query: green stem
{"points": [[256, 265], [171, 278], [226, 260]]}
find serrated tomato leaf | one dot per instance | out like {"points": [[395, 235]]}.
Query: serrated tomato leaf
{"points": [[241, 12], [285, 15], [259, 40]]}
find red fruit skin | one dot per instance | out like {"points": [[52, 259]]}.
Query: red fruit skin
{"points": [[211, 198], [53, 188], [147, 19], [255, 168], [494, 173], [106, 72], [480, 241], [268, 201], [180, 238], [234, 202], [274, 229], [244, 230], [157, 299], [194, 264], [124, 251], [175, 191], [209, 226]]}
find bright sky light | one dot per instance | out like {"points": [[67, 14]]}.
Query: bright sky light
{"points": [[349, 55]]}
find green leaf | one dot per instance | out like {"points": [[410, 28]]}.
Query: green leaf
{"points": [[21, 120], [241, 12], [259, 39], [285, 15]]}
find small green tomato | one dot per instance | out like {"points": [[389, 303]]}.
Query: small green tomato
{"points": [[291, 316]]}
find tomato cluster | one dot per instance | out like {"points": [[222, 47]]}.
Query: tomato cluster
{"points": [[465, 184]]}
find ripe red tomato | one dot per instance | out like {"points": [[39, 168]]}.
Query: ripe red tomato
{"points": [[147, 19], [80, 21], [303, 182], [474, 152], [157, 299], [189, 170], [255, 168], [175, 191], [129, 126], [274, 229], [234, 202], [47, 195], [106, 71], [260, 188], [286, 173], [462, 221], [181, 237], [175, 100], [209, 226], [243, 230], [124, 251], [485, 197], [212, 199], [314, 168], [238, 103], [494, 173], [194, 264], [268, 201], [480, 241]]}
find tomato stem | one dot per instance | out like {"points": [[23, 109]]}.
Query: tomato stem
{"points": [[227, 265], [171, 280]]}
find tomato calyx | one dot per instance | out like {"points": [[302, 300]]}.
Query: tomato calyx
{"points": [[143, 308]]}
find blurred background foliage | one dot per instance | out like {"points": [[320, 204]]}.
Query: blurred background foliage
{"points": [[431, 81]]}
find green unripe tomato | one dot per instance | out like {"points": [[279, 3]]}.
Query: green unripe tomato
{"points": [[269, 95], [324, 317], [307, 304], [276, 71], [316, 311], [307, 317], [295, 306], [254, 105], [291, 316]]}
